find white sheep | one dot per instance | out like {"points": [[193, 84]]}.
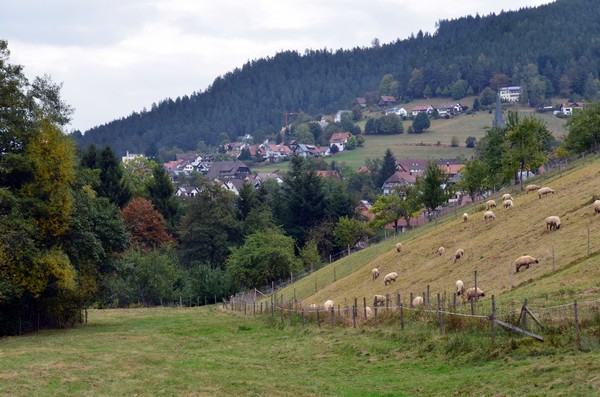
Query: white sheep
{"points": [[417, 301], [552, 222], [470, 293], [441, 251], [525, 260], [369, 312], [544, 191], [398, 247], [531, 188], [313, 306], [390, 277], [465, 217], [506, 196], [460, 287], [328, 305], [490, 204], [379, 300], [458, 254], [508, 204], [375, 273], [489, 216], [596, 207]]}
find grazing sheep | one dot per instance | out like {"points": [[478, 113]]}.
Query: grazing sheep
{"points": [[508, 204], [489, 215], [552, 222], [596, 207], [544, 191], [531, 188], [458, 254], [313, 306], [328, 305], [369, 312], [417, 301], [490, 204], [379, 300], [525, 260], [471, 293], [460, 288], [465, 217], [506, 196], [375, 273], [441, 251], [390, 277], [398, 247]]}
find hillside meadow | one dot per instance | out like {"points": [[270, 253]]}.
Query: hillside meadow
{"points": [[490, 249]]}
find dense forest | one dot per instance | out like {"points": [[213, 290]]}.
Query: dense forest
{"points": [[549, 50]]}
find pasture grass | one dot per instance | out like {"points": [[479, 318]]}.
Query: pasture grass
{"points": [[208, 352]]}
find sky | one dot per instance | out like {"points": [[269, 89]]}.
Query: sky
{"points": [[114, 57]]}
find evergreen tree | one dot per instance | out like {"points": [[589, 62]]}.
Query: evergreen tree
{"points": [[112, 185], [388, 167], [431, 190], [161, 192]]}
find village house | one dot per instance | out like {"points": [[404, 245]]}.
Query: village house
{"points": [[226, 170], [568, 108], [386, 100], [426, 108], [399, 178], [510, 94], [397, 111], [339, 139]]}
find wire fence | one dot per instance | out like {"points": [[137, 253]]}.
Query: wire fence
{"points": [[448, 313]]}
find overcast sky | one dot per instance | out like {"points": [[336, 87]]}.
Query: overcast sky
{"points": [[114, 57]]}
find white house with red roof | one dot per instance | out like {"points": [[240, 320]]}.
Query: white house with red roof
{"points": [[339, 139], [426, 108]]}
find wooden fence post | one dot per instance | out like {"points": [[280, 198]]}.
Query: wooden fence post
{"points": [[428, 301], [454, 301], [493, 320], [332, 313], [303, 317], [524, 315], [365, 306], [401, 316], [440, 314], [588, 254], [410, 304], [476, 294], [318, 319], [375, 312], [387, 302], [510, 275], [576, 314], [354, 314], [552, 259], [334, 275]]}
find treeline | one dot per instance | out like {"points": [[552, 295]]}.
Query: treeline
{"points": [[549, 50]]}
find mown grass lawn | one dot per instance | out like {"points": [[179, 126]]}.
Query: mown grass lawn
{"points": [[208, 352]]}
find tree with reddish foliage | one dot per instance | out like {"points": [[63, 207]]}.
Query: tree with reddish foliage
{"points": [[145, 225]]}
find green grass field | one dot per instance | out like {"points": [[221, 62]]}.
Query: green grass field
{"points": [[208, 352]]}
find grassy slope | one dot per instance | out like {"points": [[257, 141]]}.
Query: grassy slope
{"points": [[206, 352], [490, 248]]}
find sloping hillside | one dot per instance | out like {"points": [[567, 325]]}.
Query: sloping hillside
{"points": [[491, 248]]}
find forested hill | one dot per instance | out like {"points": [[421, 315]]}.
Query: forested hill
{"points": [[549, 50]]}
